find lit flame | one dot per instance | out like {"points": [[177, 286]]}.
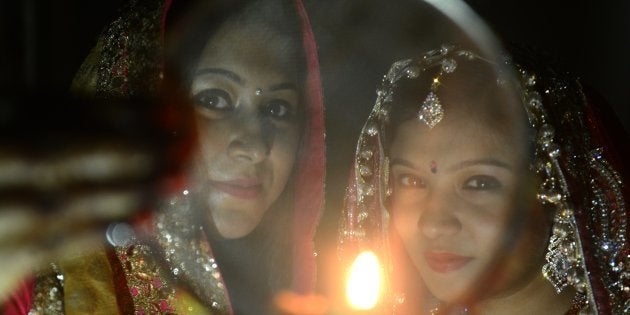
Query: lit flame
{"points": [[364, 282]]}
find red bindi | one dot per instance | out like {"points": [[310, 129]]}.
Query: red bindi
{"points": [[433, 166]]}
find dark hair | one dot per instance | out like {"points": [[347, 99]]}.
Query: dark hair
{"points": [[191, 23]]}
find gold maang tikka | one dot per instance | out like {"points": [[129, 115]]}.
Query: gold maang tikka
{"points": [[431, 111]]}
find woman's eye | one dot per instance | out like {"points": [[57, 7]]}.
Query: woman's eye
{"points": [[213, 99], [278, 109], [410, 181], [482, 182]]}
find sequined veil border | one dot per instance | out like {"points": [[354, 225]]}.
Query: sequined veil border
{"points": [[178, 258], [594, 187]]}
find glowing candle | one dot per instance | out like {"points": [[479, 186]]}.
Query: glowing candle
{"points": [[364, 282]]}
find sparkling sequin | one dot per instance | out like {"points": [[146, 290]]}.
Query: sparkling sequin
{"points": [[535, 102], [362, 216], [412, 72], [546, 132], [365, 171], [49, 296], [431, 112], [449, 65], [369, 191], [372, 130]]}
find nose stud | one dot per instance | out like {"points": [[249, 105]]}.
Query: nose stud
{"points": [[258, 91]]}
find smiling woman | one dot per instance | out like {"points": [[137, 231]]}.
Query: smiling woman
{"points": [[494, 182], [246, 87], [246, 209], [249, 110], [452, 222]]}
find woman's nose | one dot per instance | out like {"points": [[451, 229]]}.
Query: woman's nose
{"points": [[249, 141], [438, 218]]}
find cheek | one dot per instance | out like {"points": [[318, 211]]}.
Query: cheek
{"points": [[518, 222], [488, 233], [283, 154], [536, 231], [213, 139], [497, 206], [407, 207], [489, 225], [405, 217]]}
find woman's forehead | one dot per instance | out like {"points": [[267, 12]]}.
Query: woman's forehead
{"points": [[472, 92], [455, 138], [248, 46]]}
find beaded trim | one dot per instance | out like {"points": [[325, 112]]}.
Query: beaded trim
{"points": [[187, 258], [150, 290], [602, 203], [49, 295], [565, 259], [130, 64], [188, 253]]}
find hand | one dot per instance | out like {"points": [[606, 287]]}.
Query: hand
{"points": [[68, 169]]}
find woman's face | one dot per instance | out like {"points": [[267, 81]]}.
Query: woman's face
{"points": [[456, 187], [247, 106]]}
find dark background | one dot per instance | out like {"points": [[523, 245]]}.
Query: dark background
{"points": [[43, 42]]}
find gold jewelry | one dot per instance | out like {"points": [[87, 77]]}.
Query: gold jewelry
{"points": [[431, 111]]}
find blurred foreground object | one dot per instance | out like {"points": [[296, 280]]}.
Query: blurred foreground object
{"points": [[291, 303], [70, 167]]}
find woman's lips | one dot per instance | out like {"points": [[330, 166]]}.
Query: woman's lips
{"points": [[239, 188], [444, 262]]}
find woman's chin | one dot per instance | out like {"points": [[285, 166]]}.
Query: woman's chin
{"points": [[453, 294], [233, 224], [452, 288]]}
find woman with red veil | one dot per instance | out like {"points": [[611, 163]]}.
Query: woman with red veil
{"points": [[237, 227]]}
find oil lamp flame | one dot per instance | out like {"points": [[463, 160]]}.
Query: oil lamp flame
{"points": [[364, 282]]}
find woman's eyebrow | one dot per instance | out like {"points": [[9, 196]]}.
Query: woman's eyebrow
{"points": [[458, 166], [403, 162], [222, 72], [283, 86], [487, 162]]}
